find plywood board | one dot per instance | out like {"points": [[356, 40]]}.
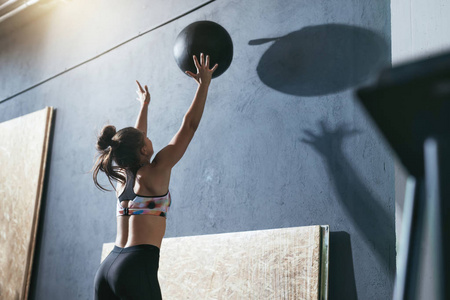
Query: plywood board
{"points": [[288, 263], [23, 152]]}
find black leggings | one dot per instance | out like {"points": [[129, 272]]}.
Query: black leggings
{"points": [[129, 273]]}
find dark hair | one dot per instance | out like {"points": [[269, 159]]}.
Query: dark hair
{"points": [[121, 148]]}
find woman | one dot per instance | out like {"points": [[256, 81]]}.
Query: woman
{"points": [[130, 270]]}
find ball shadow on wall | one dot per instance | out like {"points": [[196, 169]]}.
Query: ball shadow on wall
{"points": [[320, 60]]}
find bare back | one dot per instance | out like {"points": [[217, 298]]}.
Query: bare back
{"points": [[153, 179], [143, 229]]}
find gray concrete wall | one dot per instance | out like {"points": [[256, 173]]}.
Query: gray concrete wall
{"points": [[282, 143]]}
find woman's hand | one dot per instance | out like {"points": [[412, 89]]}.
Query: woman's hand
{"points": [[204, 73], [143, 95]]}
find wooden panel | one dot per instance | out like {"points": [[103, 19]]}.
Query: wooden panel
{"points": [[264, 264], [23, 152]]}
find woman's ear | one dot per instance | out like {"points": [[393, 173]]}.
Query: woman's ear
{"points": [[143, 150]]}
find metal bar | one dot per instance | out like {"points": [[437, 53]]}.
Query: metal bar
{"points": [[17, 10], [437, 174], [8, 3], [411, 237]]}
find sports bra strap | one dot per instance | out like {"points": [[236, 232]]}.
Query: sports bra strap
{"points": [[128, 193]]}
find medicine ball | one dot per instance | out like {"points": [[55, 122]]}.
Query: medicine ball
{"points": [[204, 37]]}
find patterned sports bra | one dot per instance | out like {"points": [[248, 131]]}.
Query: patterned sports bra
{"points": [[141, 205]]}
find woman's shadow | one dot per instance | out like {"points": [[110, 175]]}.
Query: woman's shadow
{"points": [[323, 59], [364, 209]]}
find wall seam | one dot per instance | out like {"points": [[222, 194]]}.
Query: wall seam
{"points": [[108, 50]]}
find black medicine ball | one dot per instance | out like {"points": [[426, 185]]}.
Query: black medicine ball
{"points": [[204, 37]]}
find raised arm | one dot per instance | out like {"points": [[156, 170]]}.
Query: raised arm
{"points": [[176, 148], [144, 99]]}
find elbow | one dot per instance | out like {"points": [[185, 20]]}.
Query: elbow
{"points": [[193, 126]]}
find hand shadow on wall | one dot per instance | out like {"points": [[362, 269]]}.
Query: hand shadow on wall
{"points": [[368, 216], [320, 60]]}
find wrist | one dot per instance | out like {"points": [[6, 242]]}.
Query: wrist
{"points": [[203, 85]]}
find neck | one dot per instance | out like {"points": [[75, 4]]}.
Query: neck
{"points": [[144, 162]]}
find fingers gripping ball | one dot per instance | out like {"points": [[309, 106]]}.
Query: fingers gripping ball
{"points": [[203, 37]]}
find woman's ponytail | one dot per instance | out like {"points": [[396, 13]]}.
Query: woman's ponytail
{"points": [[121, 148], [105, 139], [105, 146]]}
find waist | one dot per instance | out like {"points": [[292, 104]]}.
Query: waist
{"points": [[136, 230], [141, 247]]}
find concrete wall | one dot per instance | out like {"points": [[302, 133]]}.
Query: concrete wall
{"points": [[282, 142], [420, 29]]}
